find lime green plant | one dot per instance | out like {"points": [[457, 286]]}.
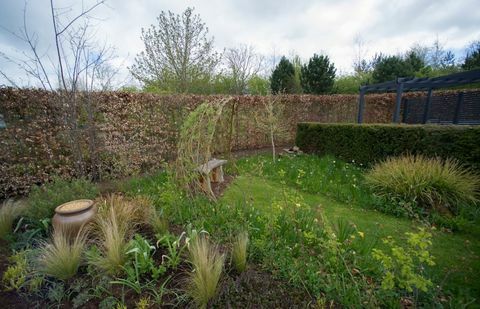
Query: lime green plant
{"points": [[15, 275], [239, 252], [431, 182], [403, 266], [61, 257], [207, 262]]}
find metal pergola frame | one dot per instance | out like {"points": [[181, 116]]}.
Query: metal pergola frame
{"points": [[402, 84]]}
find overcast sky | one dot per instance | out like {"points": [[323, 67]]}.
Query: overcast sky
{"points": [[271, 26]]}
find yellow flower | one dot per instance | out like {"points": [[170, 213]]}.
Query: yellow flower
{"points": [[361, 234]]}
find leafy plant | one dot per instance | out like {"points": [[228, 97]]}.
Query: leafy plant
{"points": [[207, 264], [239, 252], [403, 266], [15, 275], [61, 257], [175, 248], [43, 200], [8, 213], [431, 182]]}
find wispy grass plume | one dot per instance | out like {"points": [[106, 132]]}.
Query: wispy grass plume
{"points": [[239, 252], [207, 264]]}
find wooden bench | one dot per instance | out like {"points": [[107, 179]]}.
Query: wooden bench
{"points": [[212, 171]]}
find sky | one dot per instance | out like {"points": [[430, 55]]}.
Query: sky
{"points": [[273, 27]]}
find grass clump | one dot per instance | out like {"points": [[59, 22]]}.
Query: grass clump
{"points": [[239, 252], [61, 256], [432, 183], [114, 226], [8, 213], [207, 264], [43, 200]]}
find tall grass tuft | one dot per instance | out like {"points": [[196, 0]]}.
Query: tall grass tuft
{"points": [[239, 252], [8, 213], [207, 264], [61, 256], [431, 182], [114, 226]]}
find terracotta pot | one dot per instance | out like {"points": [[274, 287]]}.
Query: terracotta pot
{"points": [[73, 215]]}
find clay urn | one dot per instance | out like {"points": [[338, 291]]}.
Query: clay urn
{"points": [[71, 216]]}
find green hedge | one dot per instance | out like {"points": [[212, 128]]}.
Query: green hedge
{"points": [[367, 143]]}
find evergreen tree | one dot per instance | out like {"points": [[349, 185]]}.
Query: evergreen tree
{"points": [[472, 61], [318, 76], [283, 77]]}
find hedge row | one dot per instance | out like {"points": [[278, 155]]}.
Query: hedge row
{"points": [[368, 143]]}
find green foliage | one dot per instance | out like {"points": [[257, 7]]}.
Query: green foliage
{"points": [[432, 183], [283, 77], [43, 200], [388, 68], [472, 60], [61, 257], [239, 252], [403, 266], [351, 83], [16, 274], [318, 75], [258, 85], [366, 144]]}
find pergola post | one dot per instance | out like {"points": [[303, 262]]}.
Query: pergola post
{"points": [[458, 108], [361, 106], [428, 106], [396, 114]]}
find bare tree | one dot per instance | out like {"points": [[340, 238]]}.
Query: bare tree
{"points": [[243, 63], [177, 52], [360, 63], [270, 120], [70, 73]]}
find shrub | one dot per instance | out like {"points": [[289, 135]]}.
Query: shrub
{"points": [[208, 263], [403, 266], [369, 143], [43, 200], [8, 213], [61, 257], [432, 183], [239, 252]]}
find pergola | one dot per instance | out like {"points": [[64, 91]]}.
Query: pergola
{"points": [[419, 84]]}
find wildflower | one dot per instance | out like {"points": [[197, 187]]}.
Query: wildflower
{"points": [[361, 234]]}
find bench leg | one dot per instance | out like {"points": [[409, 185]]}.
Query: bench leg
{"points": [[217, 174]]}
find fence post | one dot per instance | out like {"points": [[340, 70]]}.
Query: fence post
{"points": [[405, 110], [428, 106], [458, 109], [361, 106], [396, 114]]}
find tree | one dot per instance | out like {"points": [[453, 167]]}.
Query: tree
{"points": [[472, 60], [360, 64], [177, 53], [389, 68], [243, 63], [283, 77], [318, 75], [70, 72]]}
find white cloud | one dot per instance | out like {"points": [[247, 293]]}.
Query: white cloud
{"points": [[278, 26]]}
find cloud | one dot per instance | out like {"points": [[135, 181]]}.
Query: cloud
{"points": [[272, 26]]}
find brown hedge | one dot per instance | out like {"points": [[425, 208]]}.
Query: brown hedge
{"points": [[137, 131]]}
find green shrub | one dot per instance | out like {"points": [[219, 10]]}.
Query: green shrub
{"points": [[368, 143], [61, 257], [403, 266], [43, 200], [430, 182]]}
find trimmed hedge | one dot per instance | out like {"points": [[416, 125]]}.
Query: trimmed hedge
{"points": [[368, 143]]}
